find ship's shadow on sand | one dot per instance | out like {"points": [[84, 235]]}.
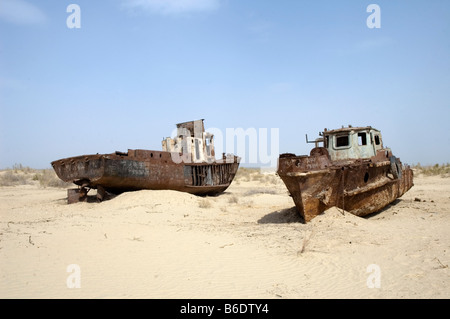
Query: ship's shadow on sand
{"points": [[283, 216], [88, 199]]}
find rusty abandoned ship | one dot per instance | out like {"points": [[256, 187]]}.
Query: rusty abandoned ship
{"points": [[186, 163], [348, 168]]}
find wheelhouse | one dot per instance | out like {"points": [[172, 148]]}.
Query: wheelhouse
{"points": [[352, 142]]}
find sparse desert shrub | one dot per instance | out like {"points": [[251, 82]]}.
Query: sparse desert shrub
{"points": [[233, 199], [257, 177], [271, 179], [433, 170], [48, 178], [20, 175], [9, 178], [246, 174], [204, 203], [24, 169]]}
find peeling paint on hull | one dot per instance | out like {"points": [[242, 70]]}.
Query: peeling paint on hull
{"points": [[149, 170], [360, 186], [187, 164]]}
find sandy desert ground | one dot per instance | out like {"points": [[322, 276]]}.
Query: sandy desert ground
{"points": [[245, 243]]}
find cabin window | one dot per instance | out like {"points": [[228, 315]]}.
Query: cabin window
{"points": [[377, 139], [197, 149], [208, 146], [342, 141], [362, 138]]}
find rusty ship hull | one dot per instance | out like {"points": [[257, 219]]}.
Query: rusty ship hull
{"points": [[144, 169], [361, 188], [186, 163], [339, 174]]}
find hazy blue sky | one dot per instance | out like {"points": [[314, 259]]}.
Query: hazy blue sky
{"points": [[135, 68]]}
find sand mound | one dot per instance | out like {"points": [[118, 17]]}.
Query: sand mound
{"points": [[152, 201], [335, 214]]}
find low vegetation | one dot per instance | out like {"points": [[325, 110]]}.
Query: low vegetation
{"points": [[204, 203], [245, 174], [24, 175], [9, 178], [48, 178], [233, 199], [442, 170]]}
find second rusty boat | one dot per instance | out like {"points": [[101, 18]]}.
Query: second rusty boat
{"points": [[351, 170]]}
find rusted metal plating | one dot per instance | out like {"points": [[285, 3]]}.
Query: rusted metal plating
{"points": [[352, 170], [187, 163]]}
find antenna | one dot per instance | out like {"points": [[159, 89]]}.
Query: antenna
{"points": [[309, 141], [316, 141]]}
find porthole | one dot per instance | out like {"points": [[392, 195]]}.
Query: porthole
{"points": [[366, 177]]}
